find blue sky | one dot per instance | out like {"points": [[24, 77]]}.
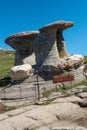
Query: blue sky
{"points": [[26, 15]]}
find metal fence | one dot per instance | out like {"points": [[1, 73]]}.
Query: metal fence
{"points": [[36, 88]]}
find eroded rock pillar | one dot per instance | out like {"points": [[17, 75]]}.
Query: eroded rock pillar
{"points": [[22, 43], [45, 48], [49, 46], [61, 45]]}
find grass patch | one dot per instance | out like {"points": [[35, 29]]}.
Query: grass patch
{"points": [[9, 108], [48, 102], [85, 89], [46, 93], [6, 63], [85, 59], [64, 89]]}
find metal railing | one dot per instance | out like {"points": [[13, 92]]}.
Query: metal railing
{"points": [[33, 89]]}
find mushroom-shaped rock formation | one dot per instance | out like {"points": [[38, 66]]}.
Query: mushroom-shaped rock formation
{"points": [[23, 44], [49, 46]]}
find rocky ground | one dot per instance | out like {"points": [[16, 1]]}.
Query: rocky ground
{"points": [[66, 113]]}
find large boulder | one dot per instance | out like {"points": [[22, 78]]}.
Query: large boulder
{"points": [[21, 72], [73, 61]]}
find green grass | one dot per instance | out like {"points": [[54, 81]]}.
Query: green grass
{"points": [[64, 89], [6, 62], [85, 59]]}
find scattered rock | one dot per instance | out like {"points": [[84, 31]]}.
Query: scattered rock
{"points": [[74, 91], [75, 60], [83, 95], [2, 107], [21, 72], [72, 99]]}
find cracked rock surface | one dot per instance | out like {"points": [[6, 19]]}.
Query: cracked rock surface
{"points": [[63, 113]]}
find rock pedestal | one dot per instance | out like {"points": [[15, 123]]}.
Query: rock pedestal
{"points": [[45, 50], [22, 43], [49, 46]]}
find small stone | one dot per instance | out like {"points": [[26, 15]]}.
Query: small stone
{"points": [[2, 107], [55, 95], [43, 128], [39, 103], [83, 95]]}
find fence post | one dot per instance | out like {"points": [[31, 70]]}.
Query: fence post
{"points": [[38, 87], [4, 94], [20, 90]]}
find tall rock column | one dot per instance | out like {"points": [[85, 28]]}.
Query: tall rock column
{"points": [[46, 46], [45, 49], [61, 45]]}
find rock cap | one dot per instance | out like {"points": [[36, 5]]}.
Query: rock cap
{"points": [[61, 25], [21, 37]]}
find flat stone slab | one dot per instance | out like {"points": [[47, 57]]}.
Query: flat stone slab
{"points": [[69, 128], [76, 90], [72, 99], [3, 117], [61, 25], [22, 36], [63, 128], [34, 117]]}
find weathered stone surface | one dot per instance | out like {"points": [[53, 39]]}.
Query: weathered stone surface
{"points": [[72, 99], [62, 127], [76, 90], [74, 61], [83, 95], [85, 68], [55, 95], [69, 128], [28, 88], [21, 72], [2, 107], [44, 116], [46, 46], [22, 43]]}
